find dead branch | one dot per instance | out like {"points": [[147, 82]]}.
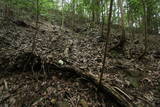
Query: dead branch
{"points": [[108, 90]]}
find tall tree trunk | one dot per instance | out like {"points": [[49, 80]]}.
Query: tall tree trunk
{"points": [[8, 13], [122, 39], [145, 29], [149, 17], [98, 11], [73, 13], [114, 12], [103, 19], [62, 21], [145, 25], [120, 45], [93, 15], [107, 41], [37, 27], [157, 25]]}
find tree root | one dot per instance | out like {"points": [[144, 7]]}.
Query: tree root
{"points": [[118, 46], [141, 56]]}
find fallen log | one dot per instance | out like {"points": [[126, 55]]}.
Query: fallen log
{"points": [[21, 23], [117, 95]]}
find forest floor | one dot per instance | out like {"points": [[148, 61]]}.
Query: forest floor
{"points": [[83, 50]]}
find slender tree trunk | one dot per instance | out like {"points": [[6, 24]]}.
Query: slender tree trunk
{"points": [[93, 15], [94, 11], [98, 11], [8, 13], [145, 29], [37, 27], [62, 21], [145, 25], [73, 13], [156, 27], [103, 19], [118, 14], [149, 17], [122, 39], [107, 41], [132, 28], [114, 12]]}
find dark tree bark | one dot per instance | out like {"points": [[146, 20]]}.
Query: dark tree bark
{"points": [[103, 20], [145, 29], [120, 46], [98, 11], [93, 15], [107, 42], [37, 27], [122, 39], [145, 25], [62, 21]]}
